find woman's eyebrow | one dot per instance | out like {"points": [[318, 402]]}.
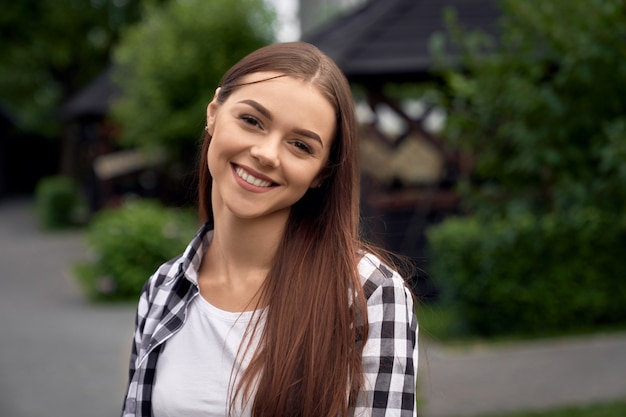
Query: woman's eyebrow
{"points": [[265, 112], [259, 107], [309, 134]]}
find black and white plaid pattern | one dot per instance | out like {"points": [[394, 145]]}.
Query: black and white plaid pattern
{"points": [[389, 355]]}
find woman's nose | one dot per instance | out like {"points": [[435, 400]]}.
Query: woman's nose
{"points": [[266, 152]]}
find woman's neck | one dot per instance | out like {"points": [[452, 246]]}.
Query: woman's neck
{"points": [[237, 261], [242, 244]]}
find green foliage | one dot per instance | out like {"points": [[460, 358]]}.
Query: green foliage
{"points": [[169, 65], [533, 275], [441, 322], [58, 202], [542, 110], [51, 49], [129, 243]]}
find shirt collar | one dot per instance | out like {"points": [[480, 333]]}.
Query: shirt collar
{"points": [[192, 257]]}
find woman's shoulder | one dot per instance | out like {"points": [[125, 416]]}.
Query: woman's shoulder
{"points": [[377, 276], [166, 271], [186, 262], [162, 276]]}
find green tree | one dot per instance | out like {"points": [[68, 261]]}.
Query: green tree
{"points": [[542, 109], [50, 49], [169, 64]]}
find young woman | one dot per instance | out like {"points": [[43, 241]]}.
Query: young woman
{"points": [[276, 308]]}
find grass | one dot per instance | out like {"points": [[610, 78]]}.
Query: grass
{"points": [[609, 409]]}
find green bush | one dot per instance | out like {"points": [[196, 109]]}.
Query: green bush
{"points": [[532, 276], [129, 243], [58, 202]]}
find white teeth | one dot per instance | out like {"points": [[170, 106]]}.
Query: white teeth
{"points": [[251, 179]]}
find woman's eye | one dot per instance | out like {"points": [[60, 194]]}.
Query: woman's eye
{"points": [[250, 120], [302, 146]]}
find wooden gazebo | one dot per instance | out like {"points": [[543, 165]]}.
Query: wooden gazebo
{"points": [[92, 156]]}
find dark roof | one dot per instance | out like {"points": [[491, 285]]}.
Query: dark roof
{"points": [[94, 100], [389, 39]]}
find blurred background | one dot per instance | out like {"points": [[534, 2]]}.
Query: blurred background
{"points": [[493, 147]]}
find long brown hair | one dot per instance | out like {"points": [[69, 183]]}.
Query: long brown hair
{"points": [[309, 359]]}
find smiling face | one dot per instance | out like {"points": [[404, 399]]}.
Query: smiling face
{"points": [[270, 141]]}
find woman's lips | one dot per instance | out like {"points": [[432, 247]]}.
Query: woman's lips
{"points": [[253, 178]]}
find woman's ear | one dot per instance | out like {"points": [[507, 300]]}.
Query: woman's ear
{"points": [[321, 177], [211, 112]]}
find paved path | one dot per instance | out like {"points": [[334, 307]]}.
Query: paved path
{"points": [[63, 357], [522, 376], [59, 356]]}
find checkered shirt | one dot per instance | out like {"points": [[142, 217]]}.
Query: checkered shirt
{"points": [[389, 354]]}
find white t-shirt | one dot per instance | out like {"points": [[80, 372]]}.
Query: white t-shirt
{"points": [[195, 368]]}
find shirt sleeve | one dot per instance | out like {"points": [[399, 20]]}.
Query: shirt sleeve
{"points": [[390, 354]]}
